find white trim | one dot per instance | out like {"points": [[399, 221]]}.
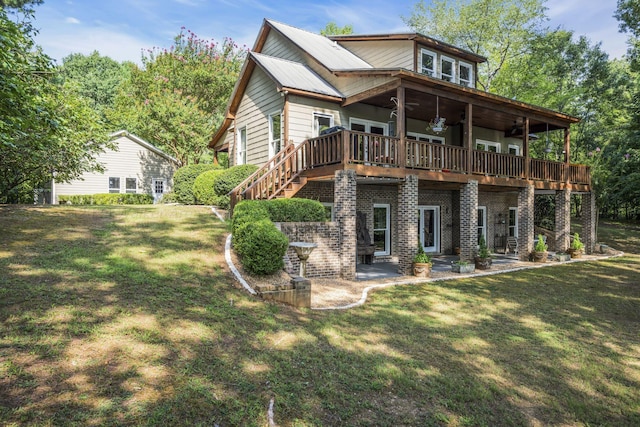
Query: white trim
{"points": [[158, 196], [488, 144], [109, 188], [516, 147], [333, 211], [387, 230], [240, 154], [368, 123], [482, 229], [453, 69], [272, 140], [436, 228], [471, 80], [431, 73], [509, 226], [315, 132], [428, 138], [126, 190]]}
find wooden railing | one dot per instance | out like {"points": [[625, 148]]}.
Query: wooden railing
{"points": [[546, 170], [372, 149], [580, 174], [497, 164], [325, 150]]}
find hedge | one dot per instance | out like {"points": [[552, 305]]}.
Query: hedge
{"points": [[107, 199], [261, 246], [203, 187], [295, 210], [230, 179], [183, 181]]}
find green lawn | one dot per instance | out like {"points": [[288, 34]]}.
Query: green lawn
{"points": [[125, 316]]}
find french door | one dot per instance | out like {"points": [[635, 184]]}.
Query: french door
{"points": [[429, 228]]}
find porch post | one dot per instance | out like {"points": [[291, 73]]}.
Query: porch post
{"points": [[407, 223], [401, 156], [563, 219], [344, 198], [468, 220], [525, 221], [525, 148], [567, 148], [589, 218], [468, 139]]}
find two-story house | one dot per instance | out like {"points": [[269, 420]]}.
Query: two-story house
{"points": [[412, 144]]}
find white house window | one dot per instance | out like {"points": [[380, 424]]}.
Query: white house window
{"points": [[493, 147], [241, 150], [426, 138], [482, 223], [114, 184], [275, 134], [321, 122], [465, 74], [514, 150], [131, 185], [382, 229], [427, 63], [447, 69], [513, 222], [330, 214]]}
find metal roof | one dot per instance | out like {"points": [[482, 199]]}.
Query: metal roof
{"points": [[294, 75], [329, 53]]}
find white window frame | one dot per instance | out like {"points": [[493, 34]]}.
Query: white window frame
{"points": [[273, 150], [515, 226], [516, 148], [426, 138], [114, 189], [482, 229], [436, 226], [431, 73], [387, 229], [241, 146], [315, 131], [330, 206], [471, 81], [452, 77], [134, 190], [368, 123], [488, 144]]}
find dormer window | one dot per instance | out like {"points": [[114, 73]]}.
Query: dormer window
{"points": [[427, 62], [447, 69], [465, 74]]}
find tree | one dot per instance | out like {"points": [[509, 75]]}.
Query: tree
{"points": [[179, 97], [499, 30], [332, 29]]}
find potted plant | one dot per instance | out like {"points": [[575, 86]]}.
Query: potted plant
{"points": [[562, 256], [421, 263], [577, 247], [462, 266], [483, 257], [540, 253]]}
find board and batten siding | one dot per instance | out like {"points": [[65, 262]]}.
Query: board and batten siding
{"points": [[260, 99], [384, 54], [129, 160]]}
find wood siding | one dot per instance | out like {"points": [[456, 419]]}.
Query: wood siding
{"points": [[130, 160], [301, 116], [279, 47], [384, 54]]}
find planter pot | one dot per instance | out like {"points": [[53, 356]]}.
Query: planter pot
{"points": [[421, 269], [539, 256], [563, 257], [464, 268], [575, 253], [482, 263]]}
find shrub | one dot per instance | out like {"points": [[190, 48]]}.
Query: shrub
{"points": [[229, 180], [169, 198], [107, 199], [261, 247], [296, 210], [246, 212], [183, 181], [576, 244], [203, 187]]}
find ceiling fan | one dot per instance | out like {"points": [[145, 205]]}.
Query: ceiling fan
{"points": [[408, 105]]}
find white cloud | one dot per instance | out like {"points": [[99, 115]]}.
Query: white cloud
{"points": [[71, 20]]}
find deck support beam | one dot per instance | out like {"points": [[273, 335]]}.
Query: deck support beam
{"points": [[345, 211], [407, 223], [468, 220]]}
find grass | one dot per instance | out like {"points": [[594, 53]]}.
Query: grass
{"points": [[126, 316]]}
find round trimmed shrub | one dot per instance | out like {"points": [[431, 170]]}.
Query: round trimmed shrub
{"points": [[229, 180], [183, 181], [203, 187], [248, 211], [261, 247], [296, 210]]}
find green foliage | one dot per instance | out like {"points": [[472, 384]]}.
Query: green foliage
{"points": [[179, 95], [576, 244], [295, 210], [106, 199], [229, 180], [332, 29], [169, 198], [247, 211], [540, 246], [421, 256], [184, 179], [203, 187], [483, 251]]}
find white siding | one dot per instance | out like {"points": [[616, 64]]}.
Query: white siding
{"points": [[260, 99], [279, 47], [129, 160], [301, 116], [384, 54]]}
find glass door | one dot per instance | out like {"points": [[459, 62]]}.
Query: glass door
{"points": [[429, 228], [381, 229]]}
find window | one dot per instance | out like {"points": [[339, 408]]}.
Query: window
{"points": [[482, 223], [465, 74], [361, 125], [381, 229], [427, 63], [513, 222], [429, 228], [329, 212], [447, 69], [514, 150], [114, 184], [426, 138], [321, 122], [275, 134], [241, 149], [493, 147], [131, 185]]}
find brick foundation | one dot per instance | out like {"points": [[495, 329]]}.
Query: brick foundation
{"points": [[468, 220], [407, 223], [589, 214], [345, 214], [563, 220], [525, 221]]}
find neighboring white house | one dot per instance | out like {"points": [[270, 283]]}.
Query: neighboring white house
{"points": [[135, 166]]}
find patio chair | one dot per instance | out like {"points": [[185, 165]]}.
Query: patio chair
{"points": [[512, 245]]}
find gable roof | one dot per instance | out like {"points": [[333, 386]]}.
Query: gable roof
{"points": [[144, 144], [293, 75], [327, 52]]}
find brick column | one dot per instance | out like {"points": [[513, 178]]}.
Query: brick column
{"points": [[563, 220], [345, 213], [468, 220], [525, 221], [589, 218], [407, 223]]}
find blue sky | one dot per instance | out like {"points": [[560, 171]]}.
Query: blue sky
{"points": [[121, 29]]}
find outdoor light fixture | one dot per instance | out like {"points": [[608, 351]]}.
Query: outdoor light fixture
{"points": [[437, 124]]}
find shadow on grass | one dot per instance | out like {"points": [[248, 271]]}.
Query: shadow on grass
{"points": [[125, 317]]}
